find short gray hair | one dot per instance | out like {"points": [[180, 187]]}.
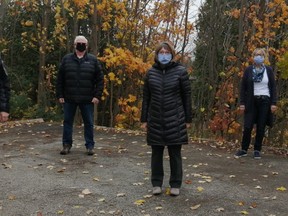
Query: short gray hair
{"points": [[80, 37]]}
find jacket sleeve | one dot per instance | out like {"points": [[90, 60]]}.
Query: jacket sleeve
{"points": [[145, 100], [4, 89], [244, 86], [60, 80], [272, 86], [186, 96], [99, 80]]}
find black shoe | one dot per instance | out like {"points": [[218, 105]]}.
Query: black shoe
{"points": [[65, 150], [240, 153], [257, 155], [90, 152]]}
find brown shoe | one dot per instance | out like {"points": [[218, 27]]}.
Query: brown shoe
{"points": [[66, 149]]}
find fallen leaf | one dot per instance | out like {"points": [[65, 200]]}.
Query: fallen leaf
{"points": [[101, 200], [158, 208], [244, 212], [188, 182], [258, 187], [6, 166], [147, 196], [121, 194], [139, 202], [96, 179], [281, 189], [61, 170], [12, 197], [86, 192], [241, 203], [220, 209], [195, 207], [200, 189], [60, 212]]}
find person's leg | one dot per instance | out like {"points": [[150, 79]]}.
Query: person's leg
{"points": [[246, 138], [69, 113], [175, 166], [263, 106], [87, 112], [157, 170]]}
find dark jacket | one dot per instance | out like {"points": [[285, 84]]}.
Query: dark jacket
{"points": [[79, 80], [166, 105], [247, 95], [4, 89]]}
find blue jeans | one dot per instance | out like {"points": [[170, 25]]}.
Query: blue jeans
{"points": [[87, 113], [261, 112]]}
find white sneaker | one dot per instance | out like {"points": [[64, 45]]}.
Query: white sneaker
{"points": [[156, 190], [174, 191]]}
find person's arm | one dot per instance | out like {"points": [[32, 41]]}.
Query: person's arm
{"points": [[4, 93], [186, 97], [99, 82], [60, 83], [145, 102]]}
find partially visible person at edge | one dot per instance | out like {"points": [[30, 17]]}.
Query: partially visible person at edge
{"points": [[79, 84], [257, 101], [4, 93], [166, 115]]}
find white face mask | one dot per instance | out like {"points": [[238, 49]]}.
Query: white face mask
{"points": [[164, 58]]}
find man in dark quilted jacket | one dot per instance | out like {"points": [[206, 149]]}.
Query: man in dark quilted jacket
{"points": [[80, 83]]}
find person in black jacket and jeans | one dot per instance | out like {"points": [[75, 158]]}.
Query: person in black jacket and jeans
{"points": [[4, 93], [257, 101], [80, 83], [166, 115]]}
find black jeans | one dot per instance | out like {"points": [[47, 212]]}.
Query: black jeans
{"points": [[261, 112], [176, 172]]}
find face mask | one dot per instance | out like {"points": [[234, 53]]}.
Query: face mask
{"points": [[81, 47], [258, 59], [164, 58]]}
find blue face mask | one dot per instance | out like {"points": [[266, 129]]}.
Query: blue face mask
{"points": [[164, 58], [258, 59]]}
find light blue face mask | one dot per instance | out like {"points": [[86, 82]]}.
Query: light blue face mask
{"points": [[258, 59], [164, 58]]}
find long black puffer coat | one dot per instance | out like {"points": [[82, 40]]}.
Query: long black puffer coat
{"points": [[166, 105], [79, 80]]}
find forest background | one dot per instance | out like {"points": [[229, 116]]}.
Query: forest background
{"points": [[36, 34]]}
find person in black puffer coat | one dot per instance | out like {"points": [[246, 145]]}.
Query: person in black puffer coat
{"points": [[166, 115], [80, 83], [4, 93]]}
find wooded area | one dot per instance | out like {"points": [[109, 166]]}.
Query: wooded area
{"points": [[36, 34]]}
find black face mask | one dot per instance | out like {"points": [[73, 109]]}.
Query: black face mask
{"points": [[81, 47]]}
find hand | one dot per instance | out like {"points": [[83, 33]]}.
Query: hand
{"points": [[144, 126], [242, 108], [4, 116], [95, 100], [61, 100], [273, 108]]}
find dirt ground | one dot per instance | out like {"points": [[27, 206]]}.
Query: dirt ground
{"points": [[36, 180]]}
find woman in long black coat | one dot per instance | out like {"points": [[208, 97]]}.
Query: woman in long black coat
{"points": [[257, 101], [166, 114]]}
